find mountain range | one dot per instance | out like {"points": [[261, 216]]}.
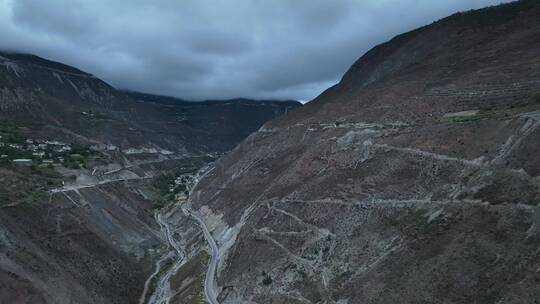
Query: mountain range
{"points": [[415, 179], [83, 166]]}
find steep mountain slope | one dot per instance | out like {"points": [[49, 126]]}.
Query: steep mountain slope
{"points": [[221, 124], [416, 179], [83, 169]]}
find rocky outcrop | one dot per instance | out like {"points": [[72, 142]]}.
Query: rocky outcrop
{"points": [[414, 180]]}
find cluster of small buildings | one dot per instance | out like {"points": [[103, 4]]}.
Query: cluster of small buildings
{"points": [[183, 179], [44, 150], [181, 184]]}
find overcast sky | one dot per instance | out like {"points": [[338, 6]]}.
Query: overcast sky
{"points": [[202, 49]]}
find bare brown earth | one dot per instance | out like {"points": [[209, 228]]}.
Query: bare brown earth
{"points": [[416, 179]]}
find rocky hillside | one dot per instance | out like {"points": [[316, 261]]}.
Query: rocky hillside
{"points": [[217, 125], [416, 179], [83, 169]]}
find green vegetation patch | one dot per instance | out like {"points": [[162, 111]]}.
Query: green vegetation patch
{"points": [[14, 153], [7, 126], [267, 279], [162, 185], [470, 118], [499, 113], [536, 97], [9, 132], [167, 189]]}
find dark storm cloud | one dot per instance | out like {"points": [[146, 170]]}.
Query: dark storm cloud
{"points": [[200, 49]]}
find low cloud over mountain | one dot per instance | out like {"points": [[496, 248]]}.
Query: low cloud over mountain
{"points": [[214, 49]]}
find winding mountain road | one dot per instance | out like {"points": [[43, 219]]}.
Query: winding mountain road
{"points": [[163, 293], [210, 289]]}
